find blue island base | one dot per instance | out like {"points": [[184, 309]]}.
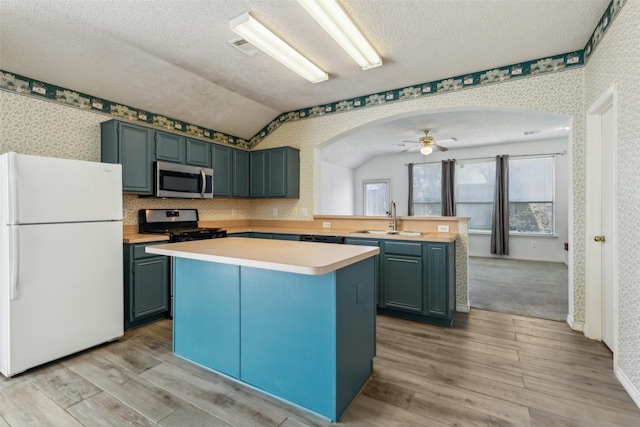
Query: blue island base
{"points": [[306, 339]]}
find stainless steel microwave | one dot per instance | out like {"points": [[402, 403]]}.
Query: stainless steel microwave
{"points": [[183, 181]]}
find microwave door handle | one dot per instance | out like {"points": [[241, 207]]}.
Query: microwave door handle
{"points": [[204, 183]]}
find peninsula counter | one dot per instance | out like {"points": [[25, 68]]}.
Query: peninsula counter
{"points": [[295, 320]]}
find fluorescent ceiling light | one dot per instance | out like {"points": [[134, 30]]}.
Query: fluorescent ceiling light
{"points": [[335, 21], [257, 34]]}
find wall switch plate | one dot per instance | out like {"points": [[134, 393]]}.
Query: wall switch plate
{"points": [[303, 211], [326, 225], [443, 228], [275, 212]]}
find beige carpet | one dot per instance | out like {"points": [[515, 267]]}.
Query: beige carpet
{"points": [[528, 288]]}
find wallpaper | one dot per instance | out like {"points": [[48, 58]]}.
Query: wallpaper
{"points": [[44, 128], [617, 60]]}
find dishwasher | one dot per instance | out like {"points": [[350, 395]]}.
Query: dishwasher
{"points": [[321, 238]]}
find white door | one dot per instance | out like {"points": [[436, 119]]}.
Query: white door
{"points": [[607, 224]]}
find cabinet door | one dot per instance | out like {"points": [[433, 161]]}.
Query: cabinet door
{"points": [[198, 153], [221, 170], [376, 259], [437, 281], [258, 174], [150, 289], [403, 282], [170, 147], [135, 157], [277, 167], [240, 181]]}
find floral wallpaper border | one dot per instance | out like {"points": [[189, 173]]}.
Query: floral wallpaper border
{"points": [[27, 86]]}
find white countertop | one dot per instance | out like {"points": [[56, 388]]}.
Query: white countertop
{"points": [[282, 255]]}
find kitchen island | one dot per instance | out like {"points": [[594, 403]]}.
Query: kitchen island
{"points": [[295, 320]]}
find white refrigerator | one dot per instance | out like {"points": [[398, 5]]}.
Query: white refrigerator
{"points": [[61, 272]]}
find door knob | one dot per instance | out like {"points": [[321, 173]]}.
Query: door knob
{"points": [[599, 239]]}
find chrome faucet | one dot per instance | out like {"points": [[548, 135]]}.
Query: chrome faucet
{"points": [[393, 222]]}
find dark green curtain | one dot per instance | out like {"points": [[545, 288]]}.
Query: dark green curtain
{"points": [[500, 221], [448, 187]]}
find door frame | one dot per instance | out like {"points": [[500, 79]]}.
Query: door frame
{"points": [[593, 250]]}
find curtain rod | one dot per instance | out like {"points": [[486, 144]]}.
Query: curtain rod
{"points": [[493, 157]]}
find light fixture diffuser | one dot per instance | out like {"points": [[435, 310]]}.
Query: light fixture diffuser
{"points": [[330, 15], [260, 36], [426, 150]]}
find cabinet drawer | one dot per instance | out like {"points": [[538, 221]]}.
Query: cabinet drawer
{"points": [[139, 251], [403, 248]]}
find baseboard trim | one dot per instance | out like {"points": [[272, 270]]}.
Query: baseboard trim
{"points": [[628, 386], [463, 308], [576, 326]]}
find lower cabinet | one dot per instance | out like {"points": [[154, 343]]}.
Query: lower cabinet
{"points": [[415, 280], [146, 286]]}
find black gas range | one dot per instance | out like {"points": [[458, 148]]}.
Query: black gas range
{"points": [[180, 224]]}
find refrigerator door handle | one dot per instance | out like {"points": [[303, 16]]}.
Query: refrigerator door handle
{"points": [[12, 212], [14, 264]]}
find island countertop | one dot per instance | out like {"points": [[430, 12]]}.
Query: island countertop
{"points": [[281, 255]]}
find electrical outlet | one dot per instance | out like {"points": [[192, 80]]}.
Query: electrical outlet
{"points": [[533, 244], [233, 212], [326, 225], [295, 211], [443, 228], [275, 212], [303, 211]]}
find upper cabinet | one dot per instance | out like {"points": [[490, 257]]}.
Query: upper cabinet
{"points": [[170, 147], [275, 173], [198, 153], [236, 173], [240, 173], [132, 147]]}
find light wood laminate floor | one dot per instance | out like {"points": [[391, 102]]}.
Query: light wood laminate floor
{"points": [[488, 369]]}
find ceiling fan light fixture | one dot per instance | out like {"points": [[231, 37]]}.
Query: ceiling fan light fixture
{"points": [[260, 36], [335, 21], [426, 150]]}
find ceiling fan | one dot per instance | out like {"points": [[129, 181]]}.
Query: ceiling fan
{"points": [[427, 143]]}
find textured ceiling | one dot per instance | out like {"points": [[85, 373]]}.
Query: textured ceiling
{"points": [[172, 57]]}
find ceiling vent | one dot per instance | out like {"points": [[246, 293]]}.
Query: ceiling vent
{"points": [[244, 46]]}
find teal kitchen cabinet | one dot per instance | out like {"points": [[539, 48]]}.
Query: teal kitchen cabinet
{"points": [[132, 147], [146, 285], [169, 147], [418, 281], [275, 173], [281, 236], [284, 172], [376, 260], [198, 153], [402, 267], [256, 235], [230, 171], [240, 173], [441, 292], [222, 170], [258, 174]]}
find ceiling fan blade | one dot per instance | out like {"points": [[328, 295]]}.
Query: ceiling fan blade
{"points": [[437, 147], [441, 141], [410, 149]]}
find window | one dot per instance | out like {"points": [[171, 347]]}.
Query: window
{"points": [[475, 184], [427, 195], [531, 193], [376, 197]]}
